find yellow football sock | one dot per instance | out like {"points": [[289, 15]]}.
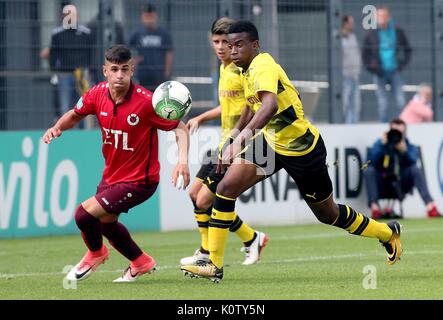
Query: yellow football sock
{"points": [[242, 230], [221, 220], [202, 217], [358, 224]]}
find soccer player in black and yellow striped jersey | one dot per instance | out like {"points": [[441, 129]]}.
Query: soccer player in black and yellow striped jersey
{"points": [[286, 140], [202, 191]]}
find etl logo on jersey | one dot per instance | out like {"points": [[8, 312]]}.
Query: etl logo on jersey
{"points": [[133, 119], [112, 137]]}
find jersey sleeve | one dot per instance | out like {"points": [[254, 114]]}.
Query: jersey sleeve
{"points": [[86, 104], [265, 79], [162, 124]]}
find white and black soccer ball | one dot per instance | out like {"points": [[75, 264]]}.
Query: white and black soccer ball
{"points": [[171, 100]]}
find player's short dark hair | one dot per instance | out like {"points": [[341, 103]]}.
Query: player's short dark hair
{"points": [[149, 8], [245, 26], [222, 25], [398, 121], [118, 53]]}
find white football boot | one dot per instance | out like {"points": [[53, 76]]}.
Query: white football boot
{"points": [[197, 259], [253, 252]]}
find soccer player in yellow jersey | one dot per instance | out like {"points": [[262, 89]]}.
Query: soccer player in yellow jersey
{"points": [[286, 140], [202, 191]]}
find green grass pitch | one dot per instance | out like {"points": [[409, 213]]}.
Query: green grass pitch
{"points": [[300, 262]]}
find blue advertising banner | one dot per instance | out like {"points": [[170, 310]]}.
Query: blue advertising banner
{"points": [[42, 185]]}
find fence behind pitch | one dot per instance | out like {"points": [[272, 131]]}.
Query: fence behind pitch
{"points": [[295, 31]]}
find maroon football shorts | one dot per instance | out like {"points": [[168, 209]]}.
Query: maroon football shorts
{"points": [[121, 197]]}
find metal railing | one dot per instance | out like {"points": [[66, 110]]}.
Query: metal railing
{"points": [[297, 32]]}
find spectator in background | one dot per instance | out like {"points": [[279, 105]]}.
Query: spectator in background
{"points": [[154, 47], [386, 52], [69, 57], [393, 170], [351, 61], [97, 56], [419, 109]]}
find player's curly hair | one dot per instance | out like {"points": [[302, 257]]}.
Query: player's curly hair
{"points": [[221, 26], [245, 26], [118, 53]]}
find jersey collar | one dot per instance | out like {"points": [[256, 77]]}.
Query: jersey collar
{"points": [[127, 96]]}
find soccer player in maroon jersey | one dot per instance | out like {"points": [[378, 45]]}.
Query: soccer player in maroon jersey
{"points": [[130, 147]]}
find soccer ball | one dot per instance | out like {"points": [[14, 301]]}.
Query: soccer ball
{"points": [[171, 100]]}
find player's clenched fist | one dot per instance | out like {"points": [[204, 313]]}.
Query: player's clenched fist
{"points": [[50, 134]]}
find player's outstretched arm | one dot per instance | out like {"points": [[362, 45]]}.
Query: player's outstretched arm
{"points": [[242, 122], [194, 123], [261, 118], [267, 110], [245, 117], [181, 169], [67, 121]]}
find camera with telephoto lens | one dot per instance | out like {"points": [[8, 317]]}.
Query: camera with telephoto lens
{"points": [[394, 136]]}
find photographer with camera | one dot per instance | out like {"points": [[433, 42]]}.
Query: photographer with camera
{"points": [[392, 171]]}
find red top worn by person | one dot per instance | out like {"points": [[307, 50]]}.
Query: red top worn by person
{"points": [[131, 175]]}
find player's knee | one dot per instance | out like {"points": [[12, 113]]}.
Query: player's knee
{"points": [[109, 218], [108, 228], [193, 195], [194, 190], [326, 219], [225, 188], [81, 216], [204, 202], [325, 213]]}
